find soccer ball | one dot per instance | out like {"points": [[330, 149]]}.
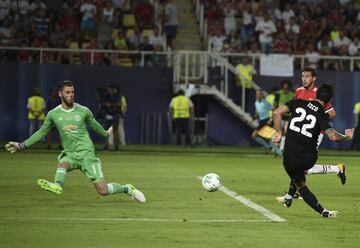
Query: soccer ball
{"points": [[211, 182]]}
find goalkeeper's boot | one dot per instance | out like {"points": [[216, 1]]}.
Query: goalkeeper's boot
{"points": [[48, 186], [135, 193], [330, 214], [341, 173]]}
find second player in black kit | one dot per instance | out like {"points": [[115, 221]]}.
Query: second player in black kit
{"points": [[307, 120]]}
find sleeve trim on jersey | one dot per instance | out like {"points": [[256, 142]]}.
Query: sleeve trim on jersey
{"points": [[328, 110]]}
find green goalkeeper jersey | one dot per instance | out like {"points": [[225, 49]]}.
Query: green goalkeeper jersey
{"points": [[72, 129]]}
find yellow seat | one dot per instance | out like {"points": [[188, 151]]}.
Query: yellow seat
{"points": [[129, 32], [148, 32], [85, 45], [114, 33], [128, 6], [75, 57], [129, 21], [126, 62]]}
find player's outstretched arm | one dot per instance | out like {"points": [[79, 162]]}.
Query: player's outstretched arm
{"points": [[13, 146], [95, 125], [335, 136]]}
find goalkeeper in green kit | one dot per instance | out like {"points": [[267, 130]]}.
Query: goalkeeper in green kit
{"points": [[71, 120]]}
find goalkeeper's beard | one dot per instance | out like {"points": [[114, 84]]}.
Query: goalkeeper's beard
{"points": [[68, 103]]}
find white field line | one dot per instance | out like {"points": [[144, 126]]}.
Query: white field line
{"points": [[131, 220], [250, 204]]}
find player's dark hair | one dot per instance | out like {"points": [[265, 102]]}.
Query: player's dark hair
{"points": [[311, 70], [325, 92], [63, 84]]}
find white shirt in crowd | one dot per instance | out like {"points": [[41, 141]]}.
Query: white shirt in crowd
{"points": [[23, 5], [118, 4], [287, 14], [4, 8], [88, 10], [294, 28], [266, 29], [344, 41], [354, 47], [312, 57], [34, 6], [247, 18], [156, 40], [171, 13], [217, 43]]}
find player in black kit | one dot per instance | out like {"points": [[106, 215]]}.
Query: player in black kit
{"points": [[307, 120]]}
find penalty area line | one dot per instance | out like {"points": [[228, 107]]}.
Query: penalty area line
{"points": [[134, 220], [267, 213]]}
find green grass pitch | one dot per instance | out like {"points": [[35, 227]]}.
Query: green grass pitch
{"points": [[178, 211]]}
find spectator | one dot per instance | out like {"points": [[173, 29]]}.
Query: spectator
{"points": [[234, 42], [170, 22], [287, 14], [5, 6], [324, 43], [136, 39], [292, 29], [6, 33], [342, 40], [354, 47], [40, 27], [119, 6], [146, 46], [69, 21], [158, 60], [247, 28], [157, 39], [312, 57], [20, 8], [144, 13], [266, 28], [230, 20], [108, 13], [217, 41], [37, 5], [88, 20], [104, 32], [120, 41], [281, 44]]}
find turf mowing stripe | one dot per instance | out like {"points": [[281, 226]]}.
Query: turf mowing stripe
{"points": [[130, 219], [250, 204]]}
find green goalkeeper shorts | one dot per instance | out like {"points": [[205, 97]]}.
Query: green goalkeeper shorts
{"points": [[90, 166]]}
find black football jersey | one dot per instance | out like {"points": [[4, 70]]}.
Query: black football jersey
{"points": [[307, 120]]}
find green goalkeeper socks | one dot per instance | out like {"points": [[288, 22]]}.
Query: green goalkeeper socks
{"points": [[115, 188], [60, 176]]}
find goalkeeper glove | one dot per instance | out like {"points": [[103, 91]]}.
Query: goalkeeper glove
{"points": [[110, 137], [15, 146]]}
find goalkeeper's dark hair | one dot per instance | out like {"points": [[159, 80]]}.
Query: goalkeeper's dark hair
{"points": [[63, 84], [325, 92]]}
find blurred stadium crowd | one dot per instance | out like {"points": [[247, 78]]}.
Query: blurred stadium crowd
{"points": [[311, 28], [84, 24], [308, 27]]}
